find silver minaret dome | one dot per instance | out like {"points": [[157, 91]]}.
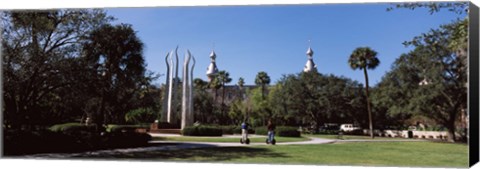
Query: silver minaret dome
{"points": [[310, 52], [212, 69], [309, 66]]}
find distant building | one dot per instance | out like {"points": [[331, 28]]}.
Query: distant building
{"points": [[232, 92]]}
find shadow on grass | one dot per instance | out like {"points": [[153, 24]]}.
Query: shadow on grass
{"points": [[187, 152]]}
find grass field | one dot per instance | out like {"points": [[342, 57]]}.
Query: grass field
{"points": [[413, 154], [230, 140]]}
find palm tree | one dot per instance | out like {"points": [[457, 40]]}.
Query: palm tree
{"points": [[240, 84], [262, 79], [224, 78], [365, 58]]}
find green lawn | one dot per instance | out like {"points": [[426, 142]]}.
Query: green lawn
{"points": [[231, 140], [413, 154], [351, 137]]}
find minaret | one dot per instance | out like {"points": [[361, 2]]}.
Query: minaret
{"points": [[309, 66], [212, 69]]}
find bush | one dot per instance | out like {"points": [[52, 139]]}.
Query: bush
{"points": [[284, 131], [73, 128], [261, 130], [227, 129], [141, 115], [202, 131], [114, 128], [330, 132], [71, 137], [165, 125], [125, 139], [354, 132], [19, 142]]}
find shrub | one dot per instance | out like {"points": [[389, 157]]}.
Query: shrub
{"points": [[202, 131], [164, 125], [115, 128], [69, 138], [330, 132], [141, 115], [354, 132], [125, 139], [73, 128], [234, 129], [19, 142], [284, 131], [261, 130]]}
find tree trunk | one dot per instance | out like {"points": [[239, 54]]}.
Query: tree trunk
{"points": [[222, 108], [451, 129], [370, 123], [263, 92]]}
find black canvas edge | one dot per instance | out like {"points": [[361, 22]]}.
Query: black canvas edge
{"points": [[1, 89], [473, 102]]}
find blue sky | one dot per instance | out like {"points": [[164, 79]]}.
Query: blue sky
{"points": [[274, 39]]}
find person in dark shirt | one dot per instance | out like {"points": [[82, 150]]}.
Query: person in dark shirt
{"points": [[271, 130]]}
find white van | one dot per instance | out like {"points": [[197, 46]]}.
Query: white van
{"points": [[348, 127]]}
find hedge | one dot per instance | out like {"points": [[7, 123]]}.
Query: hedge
{"points": [[202, 131], [69, 138], [114, 128], [354, 132], [284, 131], [73, 128]]}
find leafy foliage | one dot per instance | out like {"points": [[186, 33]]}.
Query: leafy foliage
{"points": [[283, 131], [41, 64], [141, 115], [202, 131], [456, 7], [429, 80], [72, 128]]}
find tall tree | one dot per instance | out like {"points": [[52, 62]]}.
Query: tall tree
{"points": [[41, 65], [365, 58], [449, 40], [262, 79], [117, 54], [224, 78], [432, 78], [240, 84]]}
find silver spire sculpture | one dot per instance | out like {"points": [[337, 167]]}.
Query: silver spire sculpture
{"points": [[165, 107], [168, 111], [187, 95], [171, 84]]}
